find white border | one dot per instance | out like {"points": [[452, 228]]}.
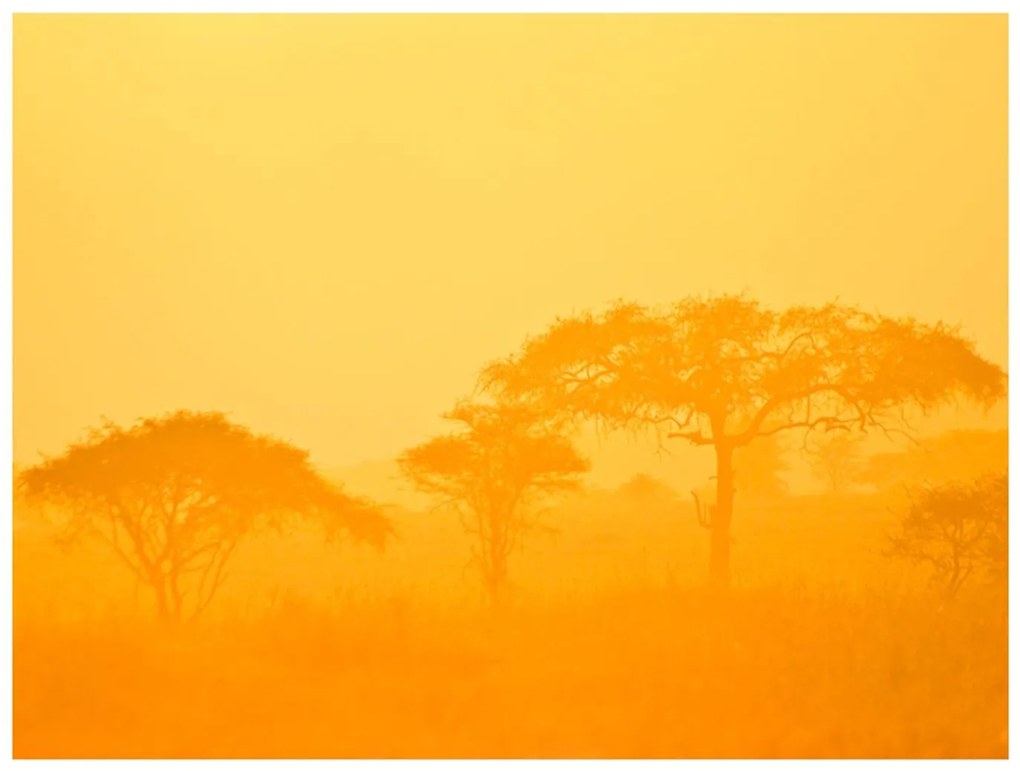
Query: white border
{"points": [[6, 340], [517, 7]]}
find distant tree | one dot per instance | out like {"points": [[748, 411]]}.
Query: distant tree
{"points": [[725, 371], [836, 460], [644, 487], [18, 498], [951, 457], [959, 530], [493, 471], [173, 497], [758, 468], [885, 471]]}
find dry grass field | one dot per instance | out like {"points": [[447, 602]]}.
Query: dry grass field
{"points": [[610, 648]]}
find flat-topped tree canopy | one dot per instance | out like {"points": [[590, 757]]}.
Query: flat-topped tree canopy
{"points": [[172, 497], [725, 370], [501, 449]]}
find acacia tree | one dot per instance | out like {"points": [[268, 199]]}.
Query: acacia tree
{"points": [[836, 460], [725, 371], [172, 497], [493, 471], [758, 468], [959, 530], [951, 457]]}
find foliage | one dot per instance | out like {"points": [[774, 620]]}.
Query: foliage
{"points": [[836, 460], [960, 530], [503, 460], [759, 466], [174, 496], [954, 456], [725, 371], [748, 370], [644, 488]]}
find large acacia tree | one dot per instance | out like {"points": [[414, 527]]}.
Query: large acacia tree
{"points": [[493, 470], [725, 371], [173, 496]]}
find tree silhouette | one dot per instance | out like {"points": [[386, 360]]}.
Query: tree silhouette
{"points": [[836, 461], [645, 488], [724, 371], [502, 461], [951, 457], [758, 468], [959, 530], [173, 497]]}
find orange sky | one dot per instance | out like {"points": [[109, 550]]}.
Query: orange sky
{"points": [[325, 225]]}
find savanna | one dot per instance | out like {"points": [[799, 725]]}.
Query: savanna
{"points": [[510, 387]]}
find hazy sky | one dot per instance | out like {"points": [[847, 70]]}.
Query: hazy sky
{"points": [[325, 225]]}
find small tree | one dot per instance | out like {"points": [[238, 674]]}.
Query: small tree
{"points": [[758, 468], [836, 460], [645, 488], [172, 498], [493, 471], [951, 457], [959, 530]]}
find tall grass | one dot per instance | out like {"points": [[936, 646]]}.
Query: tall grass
{"points": [[615, 652]]}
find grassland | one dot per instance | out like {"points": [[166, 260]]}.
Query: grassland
{"points": [[610, 648]]}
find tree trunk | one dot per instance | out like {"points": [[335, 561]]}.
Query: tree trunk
{"points": [[167, 608], [719, 559], [176, 601], [495, 581], [162, 601]]}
